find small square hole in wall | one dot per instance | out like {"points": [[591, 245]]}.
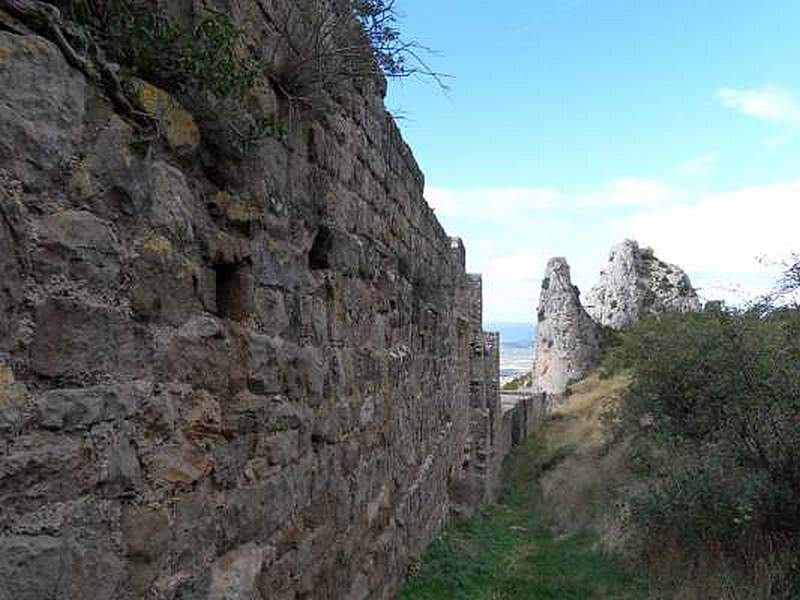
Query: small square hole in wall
{"points": [[319, 255], [234, 290]]}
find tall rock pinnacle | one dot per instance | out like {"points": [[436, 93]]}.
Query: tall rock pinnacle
{"points": [[567, 340], [636, 284]]}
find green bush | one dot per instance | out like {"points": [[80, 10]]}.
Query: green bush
{"points": [[521, 382], [713, 413], [210, 55]]}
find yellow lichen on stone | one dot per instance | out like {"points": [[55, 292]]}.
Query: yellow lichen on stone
{"points": [[4, 52], [6, 375], [82, 184], [236, 210], [177, 124], [186, 271], [182, 132], [11, 393], [149, 96], [156, 245]]}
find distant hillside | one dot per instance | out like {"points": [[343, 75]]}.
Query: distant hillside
{"points": [[513, 333]]}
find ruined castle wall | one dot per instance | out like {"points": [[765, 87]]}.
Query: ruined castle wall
{"points": [[482, 481], [222, 375], [495, 452]]}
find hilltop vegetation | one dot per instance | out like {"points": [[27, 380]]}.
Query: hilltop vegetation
{"points": [[522, 382], [712, 418]]}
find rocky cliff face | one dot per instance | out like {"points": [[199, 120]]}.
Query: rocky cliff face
{"points": [[223, 374], [567, 342], [635, 284]]}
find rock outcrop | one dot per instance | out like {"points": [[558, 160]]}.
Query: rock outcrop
{"points": [[567, 340], [636, 284]]}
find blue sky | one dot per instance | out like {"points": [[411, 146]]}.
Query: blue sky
{"points": [[572, 124]]}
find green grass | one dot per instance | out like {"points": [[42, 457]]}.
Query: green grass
{"points": [[523, 381], [511, 551]]}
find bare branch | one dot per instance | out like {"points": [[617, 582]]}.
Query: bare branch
{"points": [[326, 43]]}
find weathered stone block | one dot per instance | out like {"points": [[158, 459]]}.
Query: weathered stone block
{"points": [[80, 408], [200, 412], [201, 355], [280, 448], [235, 212], [181, 463], [234, 575], [266, 364], [80, 245], [252, 514], [61, 567], [123, 474], [195, 532], [42, 467], [118, 178], [76, 342], [145, 531], [230, 458], [166, 287], [270, 310], [31, 567], [171, 202], [42, 101]]}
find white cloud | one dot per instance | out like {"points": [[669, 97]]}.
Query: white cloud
{"points": [[716, 238], [489, 203], [770, 102], [631, 192], [511, 285], [698, 166], [719, 238]]}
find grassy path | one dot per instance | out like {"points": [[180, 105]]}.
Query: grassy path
{"points": [[511, 552]]}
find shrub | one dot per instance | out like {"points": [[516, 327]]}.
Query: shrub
{"points": [[520, 382], [713, 411], [323, 45], [209, 55], [316, 49]]}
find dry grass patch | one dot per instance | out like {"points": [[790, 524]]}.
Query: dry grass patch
{"points": [[585, 468]]}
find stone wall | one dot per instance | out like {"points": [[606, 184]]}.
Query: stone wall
{"points": [[485, 416], [225, 376], [522, 413], [481, 481]]}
